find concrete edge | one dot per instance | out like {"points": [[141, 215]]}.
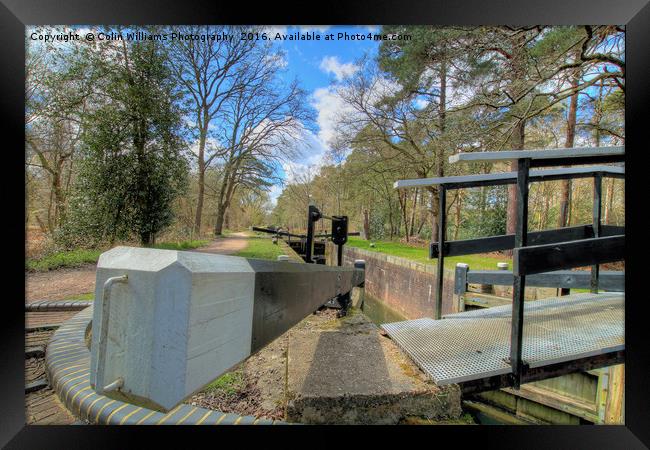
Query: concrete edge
{"points": [[67, 362]]}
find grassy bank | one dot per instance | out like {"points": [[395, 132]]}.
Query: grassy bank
{"points": [[261, 247], [78, 258], [419, 254]]}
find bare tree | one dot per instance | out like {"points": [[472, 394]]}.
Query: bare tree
{"points": [[260, 126], [208, 70]]}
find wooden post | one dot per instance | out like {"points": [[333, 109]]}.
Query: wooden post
{"points": [[519, 286]]}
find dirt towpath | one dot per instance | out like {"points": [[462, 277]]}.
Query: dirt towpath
{"points": [[226, 245], [66, 283]]}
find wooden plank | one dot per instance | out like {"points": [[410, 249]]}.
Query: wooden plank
{"points": [[615, 405], [565, 153], [612, 281], [566, 255], [557, 401], [495, 413], [503, 178]]}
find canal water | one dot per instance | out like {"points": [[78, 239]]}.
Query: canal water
{"points": [[379, 313]]}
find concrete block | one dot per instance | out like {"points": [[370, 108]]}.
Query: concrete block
{"points": [[181, 319]]}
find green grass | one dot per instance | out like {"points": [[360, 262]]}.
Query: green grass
{"points": [[261, 247], [183, 245], [229, 383], [478, 262], [80, 257], [73, 258]]}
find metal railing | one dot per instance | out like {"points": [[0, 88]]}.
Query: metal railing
{"points": [[551, 250]]}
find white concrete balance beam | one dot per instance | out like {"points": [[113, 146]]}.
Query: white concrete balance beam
{"points": [[166, 323]]}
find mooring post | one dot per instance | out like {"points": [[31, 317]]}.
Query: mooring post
{"points": [[500, 266], [441, 252], [598, 190], [361, 288], [460, 286], [519, 285]]}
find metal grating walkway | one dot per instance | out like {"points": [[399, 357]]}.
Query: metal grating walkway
{"points": [[473, 345]]}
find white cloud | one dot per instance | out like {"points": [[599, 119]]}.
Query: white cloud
{"points": [[330, 107], [331, 64], [373, 28]]}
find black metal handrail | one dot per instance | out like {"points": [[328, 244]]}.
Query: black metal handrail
{"points": [[609, 280], [554, 249]]}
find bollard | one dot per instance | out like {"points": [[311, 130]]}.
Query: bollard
{"points": [[502, 290], [361, 289], [283, 257], [460, 286]]}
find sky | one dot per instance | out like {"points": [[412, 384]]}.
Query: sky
{"points": [[319, 65]]}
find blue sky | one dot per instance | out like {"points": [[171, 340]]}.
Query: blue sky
{"points": [[318, 65]]}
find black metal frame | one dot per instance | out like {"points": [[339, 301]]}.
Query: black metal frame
{"points": [[553, 249], [610, 280], [306, 245]]}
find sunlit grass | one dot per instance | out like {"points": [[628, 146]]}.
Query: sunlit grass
{"points": [[421, 254], [58, 260], [229, 383], [81, 257], [261, 247]]}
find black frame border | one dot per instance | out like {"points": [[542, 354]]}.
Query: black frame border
{"points": [[15, 14]]}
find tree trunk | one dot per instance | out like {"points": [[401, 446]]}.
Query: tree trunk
{"points": [[222, 201], [609, 203], [434, 214], [518, 63], [201, 180], [518, 140], [366, 225], [415, 204], [442, 125], [403, 204], [564, 219], [459, 200], [218, 224]]}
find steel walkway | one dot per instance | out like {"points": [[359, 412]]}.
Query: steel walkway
{"points": [[563, 334]]}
